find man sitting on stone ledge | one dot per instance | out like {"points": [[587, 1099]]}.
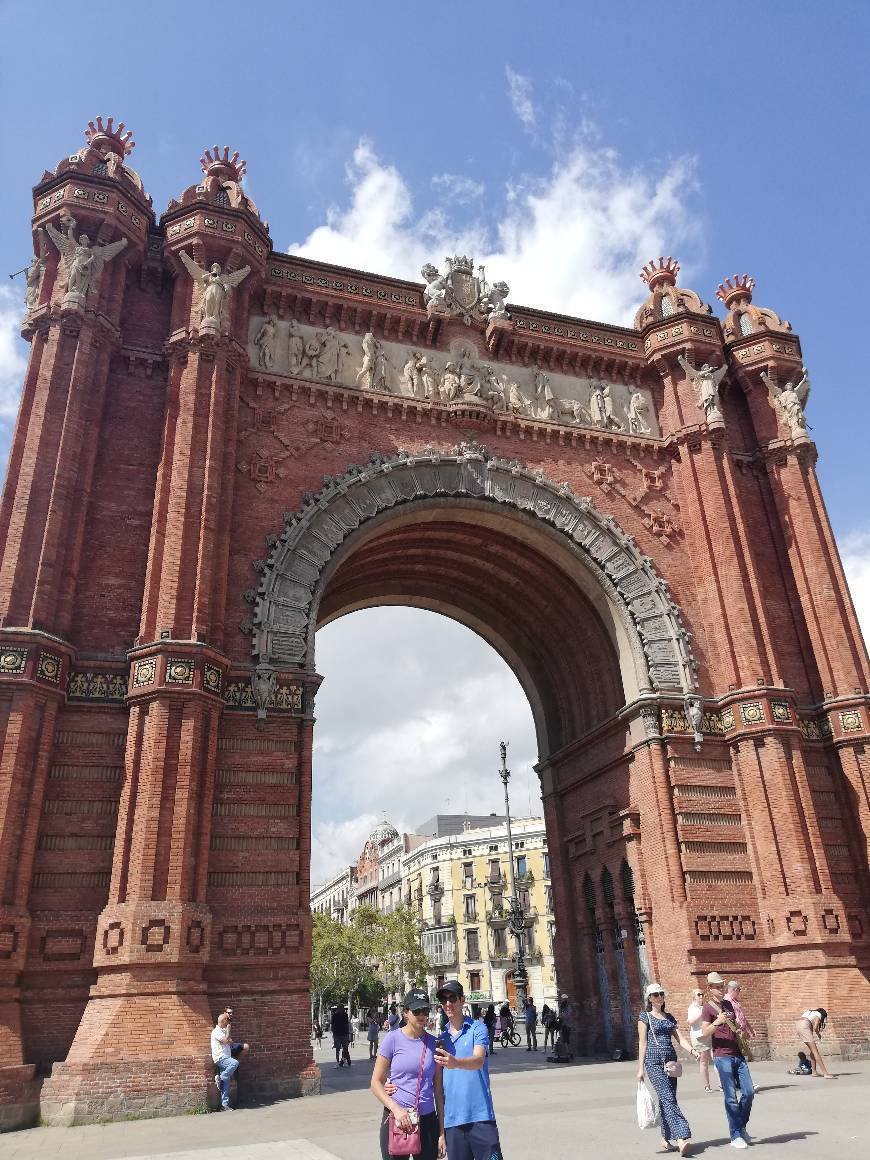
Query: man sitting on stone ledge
{"points": [[226, 1055]]}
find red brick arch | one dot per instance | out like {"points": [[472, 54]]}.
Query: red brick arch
{"points": [[441, 531]]}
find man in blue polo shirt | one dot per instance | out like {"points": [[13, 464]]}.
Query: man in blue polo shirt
{"points": [[469, 1119]]}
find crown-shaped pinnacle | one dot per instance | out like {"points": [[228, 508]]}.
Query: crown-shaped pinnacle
{"points": [[109, 138], [217, 164], [737, 287], [666, 271]]}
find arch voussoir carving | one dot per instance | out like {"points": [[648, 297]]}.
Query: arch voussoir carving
{"points": [[292, 577]]}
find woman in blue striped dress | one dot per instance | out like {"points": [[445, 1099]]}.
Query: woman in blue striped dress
{"points": [[657, 1029]]}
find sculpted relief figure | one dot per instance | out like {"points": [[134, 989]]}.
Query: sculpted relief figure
{"points": [[82, 261], [265, 344], [450, 383], [429, 378], [610, 420], [331, 356], [215, 289], [296, 348], [637, 413], [373, 372], [706, 380], [791, 400], [412, 373]]}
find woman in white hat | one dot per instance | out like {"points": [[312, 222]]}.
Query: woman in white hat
{"points": [[657, 1030]]}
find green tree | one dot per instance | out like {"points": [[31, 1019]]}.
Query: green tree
{"points": [[398, 949]]}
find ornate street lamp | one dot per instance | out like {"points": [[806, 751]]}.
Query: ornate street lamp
{"points": [[516, 914]]}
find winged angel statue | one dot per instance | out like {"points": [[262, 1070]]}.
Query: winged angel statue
{"points": [[215, 288], [82, 261], [791, 400]]}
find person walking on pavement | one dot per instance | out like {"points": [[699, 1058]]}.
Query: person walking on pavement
{"points": [[340, 1026], [700, 1044], [718, 1022], [531, 1019], [470, 1128], [489, 1019], [733, 993], [373, 1028], [656, 1031]]}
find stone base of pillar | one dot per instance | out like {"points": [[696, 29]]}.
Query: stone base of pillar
{"points": [[19, 1097]]}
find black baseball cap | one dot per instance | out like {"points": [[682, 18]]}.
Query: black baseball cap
{"points": [[416, 999], [452, 990]]}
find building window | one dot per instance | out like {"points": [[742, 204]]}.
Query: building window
{"points": [[472, 944], [467, 873], [499, 943], [667, 307], [522, 865], [101, 169], [551, 930], [745, 324], [546, 865], [435, 877], [222, 197], [439, 946], [467, 851], [519, 845], [524, 900], [436, 912], [440, 980], [494, 870], [470, 908], [474, 980], [493, 849]]}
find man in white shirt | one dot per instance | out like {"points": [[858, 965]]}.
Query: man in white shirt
{"points": [[226, 1055]]}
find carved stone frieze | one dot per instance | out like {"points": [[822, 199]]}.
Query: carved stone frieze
{"points": [[290, 579], [457, 377]]}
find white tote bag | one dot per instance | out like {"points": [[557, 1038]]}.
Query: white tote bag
{"points": [[647, 1113]]}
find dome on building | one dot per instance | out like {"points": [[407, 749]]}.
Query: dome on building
{"points": [[384, 833]]}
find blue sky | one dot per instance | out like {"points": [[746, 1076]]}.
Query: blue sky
{"points": [[564, 143]]}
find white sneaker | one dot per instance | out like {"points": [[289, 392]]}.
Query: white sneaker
{"points": [[747, 1138], [739, 1143]]}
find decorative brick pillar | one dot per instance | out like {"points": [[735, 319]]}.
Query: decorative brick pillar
{"points": [[72, 321]]}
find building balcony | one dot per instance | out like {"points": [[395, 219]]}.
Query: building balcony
{"points": [[435, 890], [390, 880]]}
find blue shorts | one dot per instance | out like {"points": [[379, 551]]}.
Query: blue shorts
{"points": [[478, 1141]]}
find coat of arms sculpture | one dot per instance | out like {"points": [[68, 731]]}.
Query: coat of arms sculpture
{"points": [[461, 292]]}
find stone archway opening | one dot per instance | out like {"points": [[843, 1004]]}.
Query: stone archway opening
{"points": [[561, 594]]}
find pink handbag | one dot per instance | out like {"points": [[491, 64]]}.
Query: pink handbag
{"points": [[400, 1143]]}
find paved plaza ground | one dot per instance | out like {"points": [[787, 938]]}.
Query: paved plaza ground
{"points": [[544, 1110]]}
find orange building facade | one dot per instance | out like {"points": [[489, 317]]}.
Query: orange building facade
{"points": [[221, 447]]}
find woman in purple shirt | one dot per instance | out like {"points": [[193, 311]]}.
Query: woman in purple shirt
{"points": [[405, 1064]]}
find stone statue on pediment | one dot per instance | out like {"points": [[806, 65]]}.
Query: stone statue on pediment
{"points": [[493, 302], [706, 380], [82, 261], [791, 400], [33, 283], [215, 289]]}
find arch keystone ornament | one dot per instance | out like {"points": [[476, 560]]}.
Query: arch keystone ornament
{"points": [[687, 643]]}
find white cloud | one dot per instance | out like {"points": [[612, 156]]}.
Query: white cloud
{"points": [[855, 550], [455, 187], [409, 717], [12, 358], [571, 240], [520, 92]]}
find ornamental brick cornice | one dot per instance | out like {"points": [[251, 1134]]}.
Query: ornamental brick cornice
{"points": [[35, 659]]}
